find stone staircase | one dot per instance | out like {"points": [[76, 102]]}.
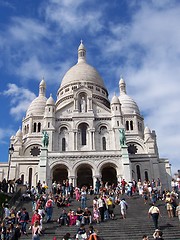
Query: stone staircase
{"points": [[133, 227]]}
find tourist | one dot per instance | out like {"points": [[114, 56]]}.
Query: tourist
{"points": [[63, 218], [77, 193], [87, 216], [123, 207], [154, 212], [110, 207], [36, 217], [17, 232], [72, 218], [97, 186], [81, 233], [101, 207], [67, 236], [2, 231], [158, 235], [92, 235], [79, 214], [145, 237], [178, 211], [96, 214], [83, 197], [24, 219], [169, 206], [49, 209], [35, 231]]}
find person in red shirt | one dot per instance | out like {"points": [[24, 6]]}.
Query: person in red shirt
{"points": [[36, 217], [123, 185]]}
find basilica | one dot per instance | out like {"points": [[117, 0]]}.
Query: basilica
{"points": [[88, 136]]}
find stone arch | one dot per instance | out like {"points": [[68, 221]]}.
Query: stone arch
{"points": [[63, 138], [137, 146], [102, 137], [109, 173], [59, 172], [29, 147], [84, 175]]}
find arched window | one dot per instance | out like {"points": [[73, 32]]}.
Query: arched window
{"points": [[104, 143], [131, 125], [146, 176], [30, 177], [63, 144], [28, 128], [83, 134], [138, 172], [39, 127], [34, 129], [25, 130], [127, 125]]}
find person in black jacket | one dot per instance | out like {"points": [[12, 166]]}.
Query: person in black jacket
{"points": [[17, 232], [24, 219]]}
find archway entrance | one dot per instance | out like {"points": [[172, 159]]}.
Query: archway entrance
{"points": [[84, 176], [109, 175], [60, 173]]}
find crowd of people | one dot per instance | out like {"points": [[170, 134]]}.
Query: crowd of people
{"points": [[105, 198]]}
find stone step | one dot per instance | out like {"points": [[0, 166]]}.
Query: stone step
{"points": [[133, 227]]}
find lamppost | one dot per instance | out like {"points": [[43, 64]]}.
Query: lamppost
{"points": [[11, 150]]}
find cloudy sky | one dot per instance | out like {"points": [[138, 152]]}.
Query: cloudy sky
{"points": [[136, 39]]}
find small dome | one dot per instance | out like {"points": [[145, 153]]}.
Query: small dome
{"points": [[128, 105], [121, 81], [37, 106], [19, 133], [147, 130], [50, 101], [81, 46], [42, 83], [115, 100]]}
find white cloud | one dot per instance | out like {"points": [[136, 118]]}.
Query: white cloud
{"points": [[4, 133], [73, 16], [20, 100]]}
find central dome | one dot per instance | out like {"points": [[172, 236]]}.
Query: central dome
{"points": [[82, 72]]}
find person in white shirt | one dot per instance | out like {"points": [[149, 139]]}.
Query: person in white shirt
{"points": [[123, 207]]}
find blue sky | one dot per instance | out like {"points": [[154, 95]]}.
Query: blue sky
{"points": [[138, 39]]}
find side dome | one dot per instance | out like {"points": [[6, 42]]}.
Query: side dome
{"points": [[50, 101], [115, 100], [19, 133], [128, 105], [37, 107], [82, 72]]}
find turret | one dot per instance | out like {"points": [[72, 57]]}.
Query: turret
{"points": [[116, 112]]}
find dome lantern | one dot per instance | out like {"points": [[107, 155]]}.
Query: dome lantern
{"points": [[81, 53]]}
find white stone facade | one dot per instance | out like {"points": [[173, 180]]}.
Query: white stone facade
{"points": [[84, 139]]}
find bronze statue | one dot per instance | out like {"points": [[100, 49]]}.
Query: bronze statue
{"points": [[122, 137], [45, 139]]}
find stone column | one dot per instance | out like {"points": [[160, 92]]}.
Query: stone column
{"points": [[75, 139], [43, 164], [126, 164]]}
